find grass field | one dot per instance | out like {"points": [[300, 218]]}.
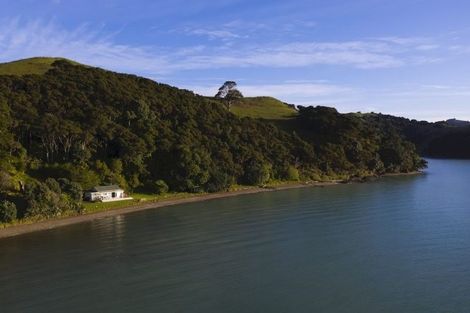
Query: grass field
{"points": [[138, 198], [262, 107], [38, 65], [94, 207]]}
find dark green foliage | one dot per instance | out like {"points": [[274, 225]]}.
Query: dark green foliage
{"points": [[351, 143], [63, 183], [231, 96], [52, 198], [440, 139], [292, 173], [160, 187], [7, 211], [74, 192], [41, 201], [8, 147], [96, 127], [219, 180], [110, 175], [53, 185], [87, 176], [76, 127], [257, 172], [6, 183]]}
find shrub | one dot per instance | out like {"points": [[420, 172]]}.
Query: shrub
{"points": [[7, 211], [292, 173], [75, 191], [53, 185], [64, 183], [160, 187], [219, 181], [257, 173], [86, 177], [116, 166], [42, 201], [5, 181]]}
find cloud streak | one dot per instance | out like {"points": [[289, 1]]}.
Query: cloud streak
{"points": [[38, 38], [213, 33], [25, 39]]}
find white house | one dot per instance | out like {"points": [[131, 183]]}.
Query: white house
{"points": [[106, 194]]}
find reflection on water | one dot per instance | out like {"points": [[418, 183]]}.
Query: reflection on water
{"points": [[110, 229], [401, 244]]}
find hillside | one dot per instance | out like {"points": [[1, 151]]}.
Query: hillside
{"points": [[457, 123], [74, 127], [445, 139], [39, 65], [438, 140]]}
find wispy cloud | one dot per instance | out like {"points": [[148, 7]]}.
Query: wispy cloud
{"points": [[404, 40], [25, 39], [355, 53], [427, 47], [365, 54], [430, 102], [213, 33], [245, 25], [460, 49], [38, 38], [431, 92]]}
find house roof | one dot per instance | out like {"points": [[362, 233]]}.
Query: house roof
{"points": [[106, 188]]}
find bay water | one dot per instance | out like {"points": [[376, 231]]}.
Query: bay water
{"points": [[399, 244]]}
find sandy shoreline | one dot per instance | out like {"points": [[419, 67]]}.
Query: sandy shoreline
{"points": [[60, 222]]}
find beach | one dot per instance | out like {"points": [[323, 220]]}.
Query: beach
{"points": [[16, 230], [20, 229]]}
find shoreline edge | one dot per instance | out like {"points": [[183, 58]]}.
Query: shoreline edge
{"points": [[17, 230]]}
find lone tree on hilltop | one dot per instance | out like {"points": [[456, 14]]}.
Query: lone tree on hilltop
{"points": [[229, 92]]}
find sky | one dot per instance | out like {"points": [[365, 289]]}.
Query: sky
{"points": [[403, 57]]}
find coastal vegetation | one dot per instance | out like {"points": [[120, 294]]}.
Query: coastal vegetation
{"points": [[445, 139], [69, 127]]}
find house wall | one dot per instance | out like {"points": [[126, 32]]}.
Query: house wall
{"points": [[95, 196]]}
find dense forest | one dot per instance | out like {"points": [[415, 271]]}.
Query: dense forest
{"points": [[75, 127], [446, 139]]}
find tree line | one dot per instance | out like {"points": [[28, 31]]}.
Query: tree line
{"points": [[76, 127]]}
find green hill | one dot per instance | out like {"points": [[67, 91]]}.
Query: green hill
{"points": [[262, 107], [38, 65], [74, 127]]}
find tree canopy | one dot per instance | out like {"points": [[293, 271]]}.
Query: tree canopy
{"points": [[229, 93], [82, 126]]}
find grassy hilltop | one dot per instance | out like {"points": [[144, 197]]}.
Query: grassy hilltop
{"points": [[262, 107], [38, 65]]}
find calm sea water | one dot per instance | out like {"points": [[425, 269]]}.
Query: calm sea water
{"points": [[401, 244]]}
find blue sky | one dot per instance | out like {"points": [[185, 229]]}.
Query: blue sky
{"points": [[408, 58]]}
